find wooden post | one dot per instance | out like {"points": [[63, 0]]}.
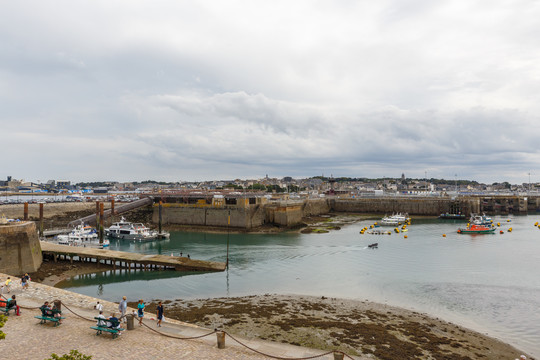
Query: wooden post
{"points": [[160, 218], [101, 223], [112, 207], [41, 220], [25, 211], [220, 340], [338, 355], [97, 214]]}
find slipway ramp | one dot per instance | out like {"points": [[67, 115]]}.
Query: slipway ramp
{"points": [[91, 219]]}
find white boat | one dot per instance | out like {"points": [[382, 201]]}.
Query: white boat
{"points": [[395, 219], [84, 236], [480, 220], [126, 230]]}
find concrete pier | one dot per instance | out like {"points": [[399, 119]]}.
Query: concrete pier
{"points": [[121, 259]]}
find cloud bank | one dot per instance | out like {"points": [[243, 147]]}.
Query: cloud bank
{"points": [[239, 89]]}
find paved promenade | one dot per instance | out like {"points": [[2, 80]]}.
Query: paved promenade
{"points": [[27, 339]]}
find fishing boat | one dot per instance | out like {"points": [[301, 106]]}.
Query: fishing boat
{"points": [[477, 229], [126, 230]]}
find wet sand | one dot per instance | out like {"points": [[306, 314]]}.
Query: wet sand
{"points": [[354, 327]]}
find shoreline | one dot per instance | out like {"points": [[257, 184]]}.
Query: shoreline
{"points": [[354, 326]]}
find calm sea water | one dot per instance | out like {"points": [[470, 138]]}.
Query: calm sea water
{"points": [[489, 283]]}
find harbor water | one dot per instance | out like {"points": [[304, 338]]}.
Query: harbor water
{"points": [[486, 282]]}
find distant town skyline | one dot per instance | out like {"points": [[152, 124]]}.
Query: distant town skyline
{"points": [[191, 91]]}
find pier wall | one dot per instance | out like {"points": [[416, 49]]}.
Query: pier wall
{"points": [[240, 217], [20, 250], [289, 214]]}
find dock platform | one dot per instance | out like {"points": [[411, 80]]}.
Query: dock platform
{"points": [[127, 260]]}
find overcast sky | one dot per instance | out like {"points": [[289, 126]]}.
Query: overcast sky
{"points": [[200, 90]]}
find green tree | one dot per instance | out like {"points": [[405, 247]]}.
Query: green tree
{"points": [[3, 319]]}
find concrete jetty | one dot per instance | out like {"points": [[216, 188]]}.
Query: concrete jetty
{"points": [[127, 260]]}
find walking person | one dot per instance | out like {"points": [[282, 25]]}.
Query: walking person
{"points": [[98, 307], [140, 311], [159, 313], [24, 284], [122, 307], [8, 284]]}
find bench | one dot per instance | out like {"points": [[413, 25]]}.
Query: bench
{"points": [[49, 315], [6, 310], [102, 326]]}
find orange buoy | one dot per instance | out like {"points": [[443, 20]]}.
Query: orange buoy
{"points": [[502, 232], [443, 235]]}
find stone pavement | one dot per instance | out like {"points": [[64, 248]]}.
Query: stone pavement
{"points": [[26, 338]]}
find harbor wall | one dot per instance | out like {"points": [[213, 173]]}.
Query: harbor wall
{"points": [[290, 214], [20, 250], [240, 217]]}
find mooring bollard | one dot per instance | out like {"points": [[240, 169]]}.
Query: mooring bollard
{"points": [[129, 321], [58, 304], [220, 340], [338, 355]]}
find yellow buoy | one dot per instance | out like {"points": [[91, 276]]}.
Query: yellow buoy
{"points": [[498, 224], [509, 229], [371, 226], [405, 236], [508, 220], [536, 223]]}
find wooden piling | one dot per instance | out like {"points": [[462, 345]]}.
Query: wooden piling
{"points": [[160, 218], [101, 223], [41, 220], [25, 217]]}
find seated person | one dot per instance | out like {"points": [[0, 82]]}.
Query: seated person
{"points": [[46, 309], [102, 320], [113, 322], [12, 303], [57, 313]]}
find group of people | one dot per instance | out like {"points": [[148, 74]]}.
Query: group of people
{"points": [[122, 308], [52, 311], [25, 280]]}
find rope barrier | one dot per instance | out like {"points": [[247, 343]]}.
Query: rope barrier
{"points": [[277, 357], [205, 335], [177, 337]]}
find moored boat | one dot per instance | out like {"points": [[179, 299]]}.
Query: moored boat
{"points": [[84, 236], [449, 216], [395, 219], [477, 229], [126, 230]]}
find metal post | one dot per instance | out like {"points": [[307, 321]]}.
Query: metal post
{"points": [[228, 223]]}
